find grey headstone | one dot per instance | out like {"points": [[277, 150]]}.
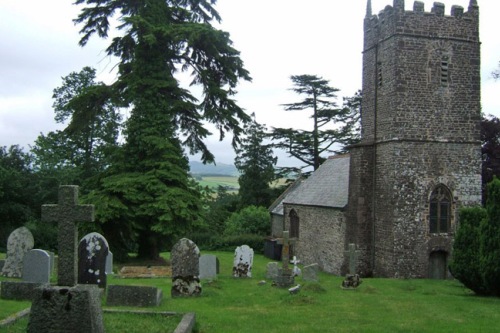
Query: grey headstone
{"points": [[109, 263], [2, 263], [185, 257], [52, 261], [92, 254], [310, 273], [66, 309], [19, 242], [36, 266], [208, 266], [272, 270], [133, 296], [243, 261]]}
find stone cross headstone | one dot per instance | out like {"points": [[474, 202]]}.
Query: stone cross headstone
{"points": [[208, 266], [243, 261], [20, 241], [285, 251], [68, 307], [185, 257], [66, 213], [310, 273], [296, 269], [36, 266], [285, 277], [353, 255], [92, 254]]}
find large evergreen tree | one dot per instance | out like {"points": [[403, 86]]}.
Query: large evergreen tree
{"points": [[255, 162], [148, 193], [330, 124]]}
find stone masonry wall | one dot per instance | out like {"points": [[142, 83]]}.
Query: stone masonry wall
{"points": [[411, 172], [321, 237], [420, 124]]}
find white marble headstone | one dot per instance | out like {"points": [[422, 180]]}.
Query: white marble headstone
{"points": [[243, 261]]}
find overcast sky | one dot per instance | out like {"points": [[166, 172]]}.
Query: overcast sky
{"points": [[277, 39]]}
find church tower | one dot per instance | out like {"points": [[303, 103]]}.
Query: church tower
{"points": [[419, 159]]}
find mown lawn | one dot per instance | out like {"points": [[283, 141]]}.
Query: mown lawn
{"points": [[378, 305]]}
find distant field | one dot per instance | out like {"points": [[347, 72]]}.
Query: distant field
{"points": [[229, 182], [213, 182]]}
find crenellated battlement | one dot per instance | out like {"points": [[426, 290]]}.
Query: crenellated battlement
{"points": [[395, 19], [438, 9]]}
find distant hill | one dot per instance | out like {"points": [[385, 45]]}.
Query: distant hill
{"points": [[221, 169]]}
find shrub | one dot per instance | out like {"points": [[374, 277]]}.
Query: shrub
{"points": [[249, 220], [465, 266], [490, 240]]}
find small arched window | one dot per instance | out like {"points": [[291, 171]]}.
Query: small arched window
{"points": [[294, 224], [440, 210]]}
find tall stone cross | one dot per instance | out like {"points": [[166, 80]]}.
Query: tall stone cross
{"points": [[285, 251], [66, 213], [353, 258]]}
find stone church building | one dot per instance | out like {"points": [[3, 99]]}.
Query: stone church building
{"points": [[397, 194]]}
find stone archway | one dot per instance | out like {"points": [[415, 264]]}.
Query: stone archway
{"points": [[438, 266]]}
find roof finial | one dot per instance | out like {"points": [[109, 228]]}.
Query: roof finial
{"points": [[369, 8], [473, 5]]}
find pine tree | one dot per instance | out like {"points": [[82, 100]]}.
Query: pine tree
{"points": [[148, 194], [255, 162]]}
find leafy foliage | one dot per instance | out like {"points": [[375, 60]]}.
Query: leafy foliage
{"points": [[465, 266], [490, 240], [477, 245], [490, 149], [249, 220], [18, 204], [320, 99], [255, 162]]}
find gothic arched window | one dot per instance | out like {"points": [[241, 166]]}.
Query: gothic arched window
{"points": [[294, 224], [440, 210]]}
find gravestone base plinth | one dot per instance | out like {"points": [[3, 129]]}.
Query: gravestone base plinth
{"points": [[67, 309], [185, 286], [284, 279]]}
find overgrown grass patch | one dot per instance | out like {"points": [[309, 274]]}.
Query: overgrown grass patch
{"points": [[228, 304]]}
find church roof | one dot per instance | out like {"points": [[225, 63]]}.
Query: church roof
{"points": [[328, 186]]}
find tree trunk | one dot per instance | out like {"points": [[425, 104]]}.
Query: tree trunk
{"points": [[148, 246]]}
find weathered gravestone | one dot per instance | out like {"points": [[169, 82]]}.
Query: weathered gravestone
{"points": [[67, 307], [272, 270], [352, 279], [310, 273], [109, 263], [19, 242], [36, 266], [243, 261], [92, 253], [208, 266], [185, 257], [285, 277]]}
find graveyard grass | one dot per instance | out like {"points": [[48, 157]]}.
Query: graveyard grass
{"points": [[241, 305]]}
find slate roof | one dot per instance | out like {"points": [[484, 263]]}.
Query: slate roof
{"points": [[328, 186]]}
